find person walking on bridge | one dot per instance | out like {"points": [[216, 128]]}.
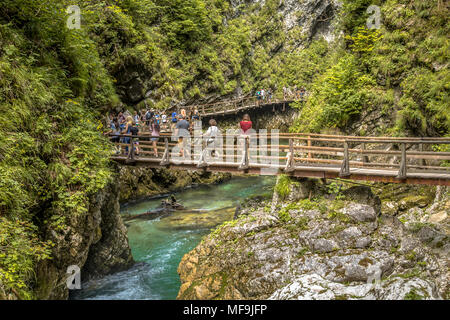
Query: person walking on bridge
{"points": [[155, 136], [182, 132], [134, 132], [246, 128], [269, 95], [195, 115], [164, 120], [245, 125], [212, 137], [174, 121], [127, 131], [302, 94]]}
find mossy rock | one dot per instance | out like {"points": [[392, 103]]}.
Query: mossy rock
{"points": [[414, 201]]}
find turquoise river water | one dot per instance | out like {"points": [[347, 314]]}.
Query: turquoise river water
{"points": [[158, 245]]}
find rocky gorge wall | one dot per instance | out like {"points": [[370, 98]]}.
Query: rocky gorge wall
{"points": [[96, 242], [137, 183], [268, 117], [310, 243]]}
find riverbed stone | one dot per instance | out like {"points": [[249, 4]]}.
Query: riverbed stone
{"points": [[360, 212]]}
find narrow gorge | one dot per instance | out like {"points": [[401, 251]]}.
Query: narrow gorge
{"points": [[72, 197]]}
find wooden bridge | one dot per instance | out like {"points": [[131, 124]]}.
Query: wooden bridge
{"points": [[379, 159], [237, 105]]}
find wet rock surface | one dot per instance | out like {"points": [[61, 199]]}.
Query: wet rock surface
{"points": [[322, 249], [140, 182], [96, 242]]}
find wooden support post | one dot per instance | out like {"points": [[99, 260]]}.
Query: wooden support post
{"points": [[309, 145], [166, 157], [290, 164], [422, 161], [202, 162], [345, 169], [402, 171], [245, 156], [365, 158]]}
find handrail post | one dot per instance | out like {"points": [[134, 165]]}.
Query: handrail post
{"points": [[402, 171], [202, 163], [131, 151], [345, 169], [245, 156], [165, 159], [290, 164], [365, 158], [422, 161], [309, 146]]}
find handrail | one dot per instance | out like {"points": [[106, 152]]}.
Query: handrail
{"points": [[216, 107], [311, 136]]}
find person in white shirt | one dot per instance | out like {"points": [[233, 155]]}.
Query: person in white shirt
{"points": [[212, 133]]}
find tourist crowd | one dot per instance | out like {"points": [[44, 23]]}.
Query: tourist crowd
{"points": [[124, 125]]}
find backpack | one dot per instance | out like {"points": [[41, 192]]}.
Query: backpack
{"points": [[134, 131], [148, 115]]}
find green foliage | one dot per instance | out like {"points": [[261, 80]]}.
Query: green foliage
{"points": [[337, 97], [284, 216], [20, 248], [335, 188], [364, 41], [413, 295], [283, 186], [55, 83], [399, 71], [53, 156], [354, 14]]}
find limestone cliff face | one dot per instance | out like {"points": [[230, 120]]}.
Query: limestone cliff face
{"points": [[96, 242], [315, 17], [328, 249]]}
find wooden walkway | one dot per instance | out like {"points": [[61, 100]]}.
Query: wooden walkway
{"points": [[380, 159], [234, 106]]}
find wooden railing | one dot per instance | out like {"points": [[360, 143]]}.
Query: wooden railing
{"points": [[235, 105], [346, 156]]}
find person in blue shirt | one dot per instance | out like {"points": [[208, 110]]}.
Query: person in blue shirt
{"points": [[174, 121]]}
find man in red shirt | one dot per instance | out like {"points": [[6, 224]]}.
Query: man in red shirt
{"points": [[245, 124]]}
